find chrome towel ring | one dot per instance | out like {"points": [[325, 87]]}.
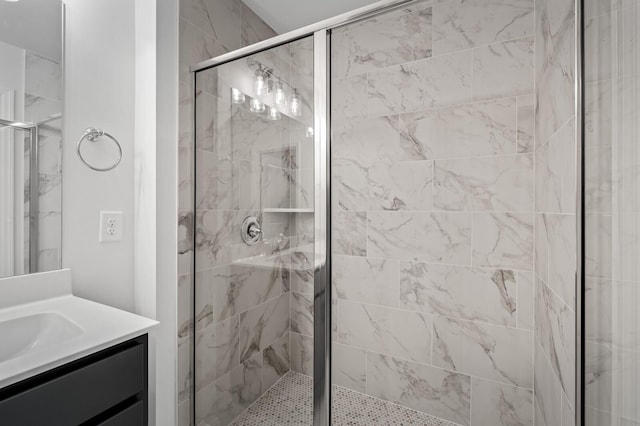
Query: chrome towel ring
{"points": [[93, 135]]}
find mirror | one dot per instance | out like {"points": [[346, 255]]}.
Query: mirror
{"points": [[31, 105]]}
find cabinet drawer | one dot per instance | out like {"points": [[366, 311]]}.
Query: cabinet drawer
{"points": [[133, 415], [77, 396]]}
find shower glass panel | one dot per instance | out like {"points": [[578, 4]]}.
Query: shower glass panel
{"points": [[254, 234], [611, 191]]}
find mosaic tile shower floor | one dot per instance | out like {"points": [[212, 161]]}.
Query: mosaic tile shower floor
{"points": [[290, 402]]}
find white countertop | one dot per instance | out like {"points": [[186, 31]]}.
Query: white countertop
{"points": [[102, 326]]}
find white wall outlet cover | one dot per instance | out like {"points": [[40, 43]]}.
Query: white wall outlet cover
{"points": [[110, 227]]}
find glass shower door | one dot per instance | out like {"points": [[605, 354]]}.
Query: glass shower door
{"points": [[254, 235]]}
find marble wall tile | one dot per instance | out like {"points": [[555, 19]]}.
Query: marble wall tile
{"points": [[185, 182], [276, 362], [526, 300], [396, 89], [348, 367], [185, 242], [492, 352], [216, 186], [383, 41], [503, 240], [503, 69], [349, 233], [481, 294], [526, 123], [366, 280], [301, 353], [541, 248], [302, 272], [212, 238], [598, 302], [195, 46], [599, 44], [37, 108], [302, 313], [568, 414], [598, 256], [401, 186], [261, 326], [184, 368], [403, 334], [460, 24], [548, 391], [368, 141], [349, 97], [598, 119], [218, 18], [555, 172], [598, 180], [43, 77], [185, 310], [441, 393], [598, 376], [350, 189], [503, 183], [498, 404], [448, 79], [221, 401], [561, 239], [254, 29], [555, 329], [216, 351], [472, 130], [203, 307], [555, 73], [431, 237], [627, 383]]}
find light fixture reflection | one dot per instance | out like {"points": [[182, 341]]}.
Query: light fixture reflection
{"points": [[259, 85], [274, 114], [280, 97], [295, 107], [256, 106], [237, 97], [309, 132]]}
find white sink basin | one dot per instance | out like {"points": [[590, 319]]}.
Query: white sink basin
{"points": [[34, 332]]}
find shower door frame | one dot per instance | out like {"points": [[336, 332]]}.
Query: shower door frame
{"points": [[321, 33]]}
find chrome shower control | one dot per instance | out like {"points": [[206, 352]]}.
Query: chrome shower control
{"points": [[251, 230]]}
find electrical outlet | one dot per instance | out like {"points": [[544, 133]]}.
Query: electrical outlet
{"points": [[110, 227]]}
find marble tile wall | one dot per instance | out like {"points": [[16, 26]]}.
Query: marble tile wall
{"points": [[43, 98], [555, 213], [237, 360], [433, 209], [612, 95]]}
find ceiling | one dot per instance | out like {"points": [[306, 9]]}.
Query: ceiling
{"points": [[287, 15], [34, 25]]}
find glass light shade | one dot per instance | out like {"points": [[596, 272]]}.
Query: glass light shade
{"points": [[274, 114], [280, 97], [260, 84], [295, 107], [237, 97], [256, 106]]}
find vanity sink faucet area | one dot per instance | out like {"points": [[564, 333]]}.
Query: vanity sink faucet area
{"points": [[336, 212]]}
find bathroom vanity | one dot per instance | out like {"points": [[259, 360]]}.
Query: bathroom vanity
{"points": [[65, 360]]}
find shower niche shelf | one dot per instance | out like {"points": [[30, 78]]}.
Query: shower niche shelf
{"points": [[286, 210]]}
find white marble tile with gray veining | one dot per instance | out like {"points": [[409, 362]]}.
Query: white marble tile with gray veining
{"points": [[216, 187], [220, 19], [302, 313], [350, 189], [441, 393], [254, 29], [497, 353], [503, 240], [262, 325], [503, 69], [561, 239], [460, 24], [555, 329], [184, 364], [481, 294], [401, 186], [349, 234], [448, 79], [276, 362], [349, 97], [403, 334], [368, 141], [195, 46], [396, 89], [555, 66], [548, 392], [42, 77], [502, 183], [216, 351], [228, 396], [213, 236], [366, 280], [498, 404], [526, 299], [186, 244], [479, 129], [526, 123], [555, 172], [301, 353], [431, 237], [383, 41], [348, 367], [598, 376], [301, 275]]}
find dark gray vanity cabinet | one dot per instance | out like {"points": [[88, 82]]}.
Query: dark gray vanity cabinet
{"points": [[108, 388]]}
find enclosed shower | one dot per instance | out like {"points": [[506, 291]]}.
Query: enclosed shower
{"points": [[420, 212]]}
